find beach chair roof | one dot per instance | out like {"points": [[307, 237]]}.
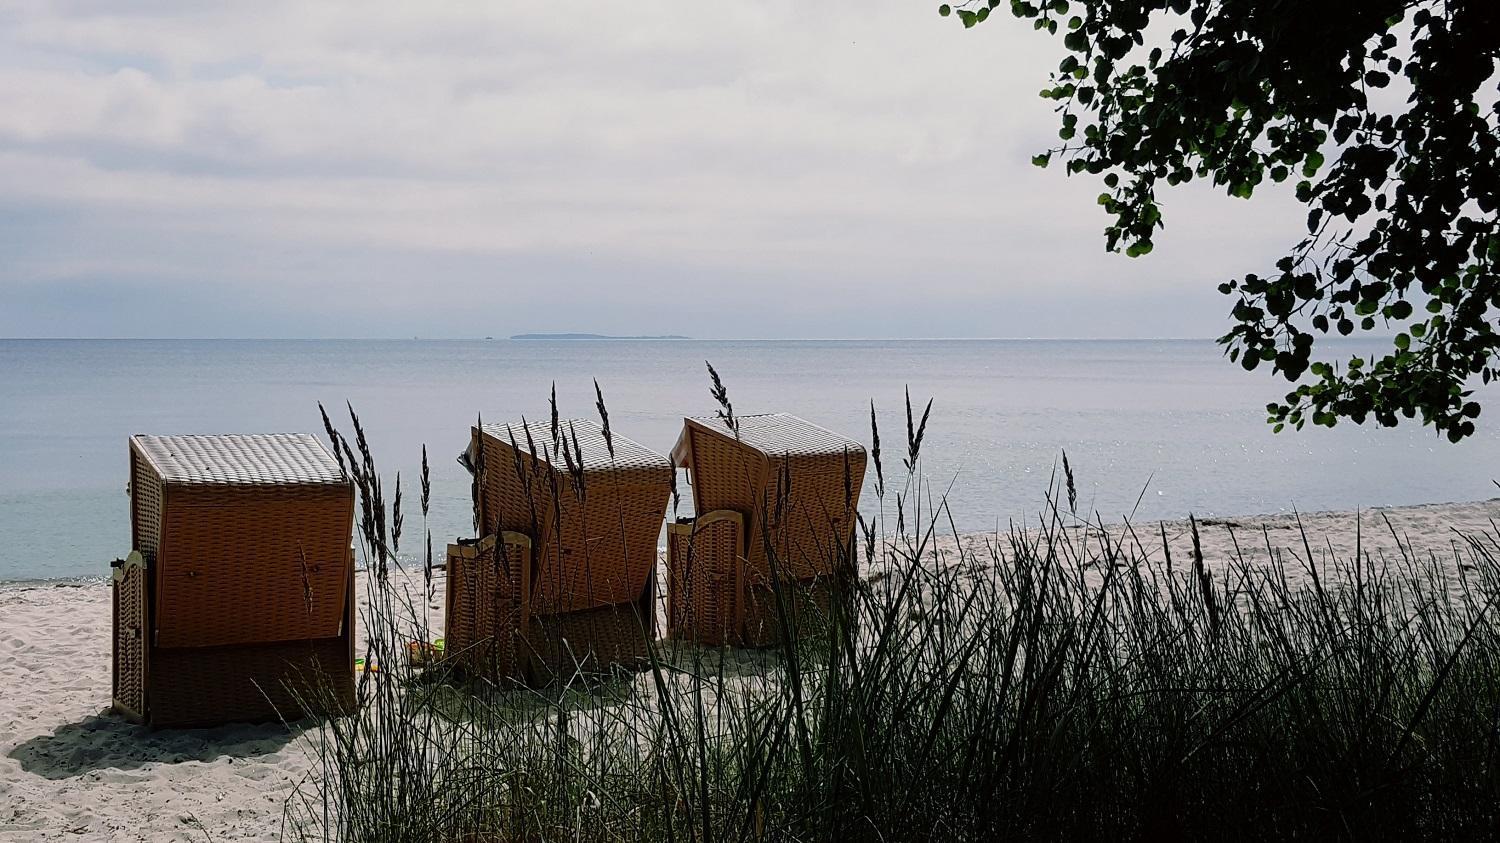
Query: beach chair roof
{"points": [[589, 435], [241, 459], [772, 434]]}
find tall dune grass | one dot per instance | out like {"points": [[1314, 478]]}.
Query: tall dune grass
{"points": [[1047, 683]]}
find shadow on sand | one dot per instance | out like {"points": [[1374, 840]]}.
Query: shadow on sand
{"points": [[106, 741]]}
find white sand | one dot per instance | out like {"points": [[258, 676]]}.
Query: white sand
{"points": [[1430, 530], [71, 771]]}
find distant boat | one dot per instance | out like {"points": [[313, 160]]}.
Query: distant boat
{"points": [[594, 337]]}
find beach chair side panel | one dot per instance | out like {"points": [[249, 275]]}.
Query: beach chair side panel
{"points": [[486, 605], [705, 565]]}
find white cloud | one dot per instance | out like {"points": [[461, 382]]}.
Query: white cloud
{"points": [[846, 154]]}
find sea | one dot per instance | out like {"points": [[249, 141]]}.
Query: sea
{"points": [[1152, 429]]}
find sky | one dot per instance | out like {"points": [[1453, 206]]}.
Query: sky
{"points": [[777, 169]]}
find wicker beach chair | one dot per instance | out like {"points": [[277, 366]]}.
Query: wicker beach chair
{"points": [[237, 601], [592, 508], [790, 489]]}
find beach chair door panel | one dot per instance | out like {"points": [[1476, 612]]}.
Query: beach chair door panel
{"points": [[132, 624]]}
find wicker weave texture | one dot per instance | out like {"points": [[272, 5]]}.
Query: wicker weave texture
{"points": [[193, 686], [797, 485], [252, 565], [145, 505], [807, 605], [276, 459], [776, 434], [486, 599], [131, 629], [590, 641], [593, 545], [258, 558], [201, 686], [705, 569]]}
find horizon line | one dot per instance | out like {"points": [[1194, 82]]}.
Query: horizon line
{"points": [[606, 338]]}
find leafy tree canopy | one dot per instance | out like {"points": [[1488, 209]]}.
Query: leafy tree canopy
{"points": [[1383, 113]]}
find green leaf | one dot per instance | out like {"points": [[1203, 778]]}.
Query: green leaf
{"points": [[945, 10], [1406, 208]]}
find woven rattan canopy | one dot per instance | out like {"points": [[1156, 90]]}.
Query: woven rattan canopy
{"points": [[589, 435], [251, 459], [773, 434]]}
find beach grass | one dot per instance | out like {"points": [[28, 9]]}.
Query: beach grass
{"points": [[1059, 680]]}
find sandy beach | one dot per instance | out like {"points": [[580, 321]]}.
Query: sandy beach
{"points": [[69, 770]]}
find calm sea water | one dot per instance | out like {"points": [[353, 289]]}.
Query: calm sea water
{"points": [[1173, 413]]}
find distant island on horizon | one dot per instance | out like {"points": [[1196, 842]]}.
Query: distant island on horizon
{"points": [[594, 337]]}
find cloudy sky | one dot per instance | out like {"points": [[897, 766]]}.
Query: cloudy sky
{"points": [[778, 169]]}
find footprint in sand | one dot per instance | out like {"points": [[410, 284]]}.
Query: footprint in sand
{"points": [[253, 772]]}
